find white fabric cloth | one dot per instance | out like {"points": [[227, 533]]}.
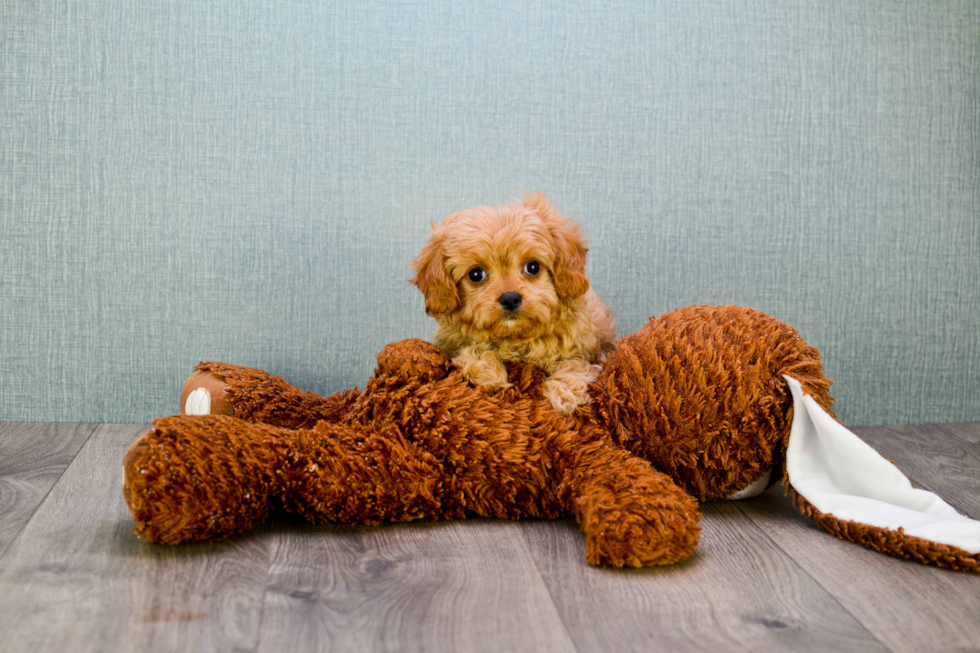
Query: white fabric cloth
{"points": [[839, 474]]}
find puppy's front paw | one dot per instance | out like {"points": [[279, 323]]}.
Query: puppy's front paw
{"points": [[567, 386], [565, 397], [485, 371]]}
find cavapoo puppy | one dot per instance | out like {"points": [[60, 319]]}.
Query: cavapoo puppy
{"points": [[507, 283]]}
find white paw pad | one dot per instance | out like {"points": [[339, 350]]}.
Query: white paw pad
{"points": [[198, 402], [753, 489]]}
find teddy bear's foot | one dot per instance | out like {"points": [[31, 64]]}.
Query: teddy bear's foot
{"points": [[254, 395], [193, 478], [205, 393]]}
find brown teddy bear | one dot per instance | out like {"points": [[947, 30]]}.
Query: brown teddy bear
{"points": [[702, 403]]}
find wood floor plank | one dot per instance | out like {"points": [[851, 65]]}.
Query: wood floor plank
{"points": [[942, 458], [739, 592], [969, 432], [908, 606], [78, 579], [448, 586], [764, 578], [32, 459]]}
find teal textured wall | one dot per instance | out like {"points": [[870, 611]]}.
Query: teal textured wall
{"points": [[246, 181]]}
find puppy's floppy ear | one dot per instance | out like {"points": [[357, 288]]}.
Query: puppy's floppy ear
{"points": [[570, 249], [433, 279]]}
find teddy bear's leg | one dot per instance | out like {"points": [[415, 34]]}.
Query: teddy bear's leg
{"points": [[632, 515], [257, 396], [206, 477], [202, 477], [352, 473], [699, 393]]}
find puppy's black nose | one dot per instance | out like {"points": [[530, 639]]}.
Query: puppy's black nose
{"points": [[510, 300]]}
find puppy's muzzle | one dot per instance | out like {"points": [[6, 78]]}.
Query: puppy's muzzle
{"points": [[510, 301]]}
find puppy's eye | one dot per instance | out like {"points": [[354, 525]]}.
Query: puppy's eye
{"points": [[531, 268], [477, 275]]}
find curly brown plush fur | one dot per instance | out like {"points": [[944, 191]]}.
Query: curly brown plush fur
{"points": [[693, 406], [699, 393], [411, 446]]}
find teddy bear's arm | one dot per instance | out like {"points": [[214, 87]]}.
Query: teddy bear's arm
{"points": [[632, 514], [413, 359]]}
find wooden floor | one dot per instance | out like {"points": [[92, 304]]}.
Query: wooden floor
{"points": [[73, 576]]}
